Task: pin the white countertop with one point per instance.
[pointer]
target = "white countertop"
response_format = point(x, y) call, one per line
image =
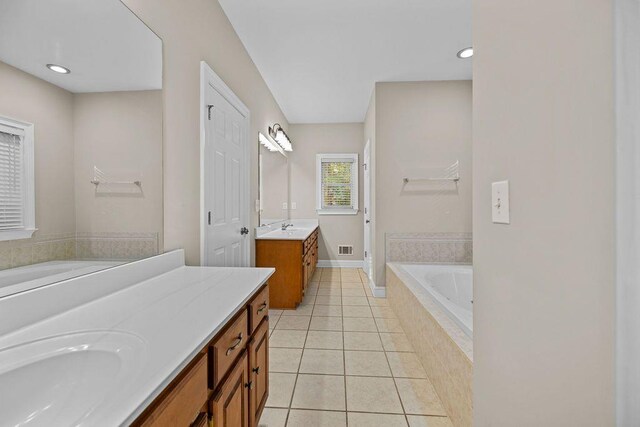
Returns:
point(171, 317)
point(301, 229)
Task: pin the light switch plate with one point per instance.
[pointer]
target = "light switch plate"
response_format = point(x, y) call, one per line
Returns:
point(284, 205)
point(294, 206)
point(500, 202)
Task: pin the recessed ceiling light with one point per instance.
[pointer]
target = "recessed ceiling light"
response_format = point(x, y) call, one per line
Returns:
point(58, 68)
point(465, 53)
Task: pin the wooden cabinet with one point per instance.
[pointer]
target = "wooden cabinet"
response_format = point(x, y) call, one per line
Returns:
point(295, 262)
point(227, 383)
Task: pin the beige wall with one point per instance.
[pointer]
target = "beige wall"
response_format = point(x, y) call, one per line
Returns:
point(420, 129)
point(121, 134)
point(544, 285)
point(192, 31)
point(50, 109)
point(312, 139)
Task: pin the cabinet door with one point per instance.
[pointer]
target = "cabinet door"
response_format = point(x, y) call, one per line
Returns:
point(230, 406)
point(259, 372)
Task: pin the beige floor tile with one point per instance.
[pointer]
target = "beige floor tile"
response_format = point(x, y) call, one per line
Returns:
point(419, 397)
point(274, 313)
point(322, 362)
point(284, 359)
point(352, 285)
point(350, 278)
point(378, 302)
point(362, 341)
point(329, 291)
point(366, 363)
point(355, 301)
point(406, 365)
point(280, 389)
point(319, 392)
point(330, 278)
point(301, 310)
point(359, 324)
point(383, 312)
point(293, 322)
point(422, 421)
point(273, 417)
point(325, 323)
point(287, 338)
point(356, 311)
point(328, 340)
point(357, 419)
point(388, 325)
point(328, 310)
point(330, 285)
point(368, 292)
point(364, 393)
point(312, 291)
point(353, 292)
point(329, 300)
point(396, 342)
point(305, 418)
point(308, 299)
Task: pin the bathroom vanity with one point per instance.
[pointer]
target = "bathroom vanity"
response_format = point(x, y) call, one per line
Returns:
point(294, 254)
point(150, 343)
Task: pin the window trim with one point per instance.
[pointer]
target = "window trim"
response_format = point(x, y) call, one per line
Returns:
point(29, 211)
point(354, 178)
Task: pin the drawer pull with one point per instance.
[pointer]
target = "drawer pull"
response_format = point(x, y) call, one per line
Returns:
point(235, 345)
point(256, 370)
point(262, 307)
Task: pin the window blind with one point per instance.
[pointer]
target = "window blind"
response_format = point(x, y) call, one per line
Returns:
point(337, 184)
point(11, 182)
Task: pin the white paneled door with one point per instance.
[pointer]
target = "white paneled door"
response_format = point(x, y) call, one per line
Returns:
point(225, 185)
point(367, 210)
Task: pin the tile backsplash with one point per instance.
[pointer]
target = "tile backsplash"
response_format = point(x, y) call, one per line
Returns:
point(64, 246)
point(430, 248)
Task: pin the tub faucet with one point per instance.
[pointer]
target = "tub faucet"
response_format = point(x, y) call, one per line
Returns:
point(285, 226)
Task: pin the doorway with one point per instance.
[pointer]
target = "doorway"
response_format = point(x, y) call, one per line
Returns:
point(367, 210)
point(224, 174)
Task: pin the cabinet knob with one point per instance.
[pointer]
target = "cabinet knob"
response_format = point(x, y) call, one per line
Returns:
point(249, 385)
point(256, 369)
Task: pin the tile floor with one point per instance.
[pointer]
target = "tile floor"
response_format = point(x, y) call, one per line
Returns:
point(342, 359)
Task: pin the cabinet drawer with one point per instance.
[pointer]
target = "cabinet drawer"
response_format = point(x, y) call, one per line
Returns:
point(258, 308)
point(227, 347)
point(181, 406)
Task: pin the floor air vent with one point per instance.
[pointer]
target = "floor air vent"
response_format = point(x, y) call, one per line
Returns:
point(345, 250)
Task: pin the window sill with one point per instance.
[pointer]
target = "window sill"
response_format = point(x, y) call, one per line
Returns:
point(17, 234)
point(337, 211)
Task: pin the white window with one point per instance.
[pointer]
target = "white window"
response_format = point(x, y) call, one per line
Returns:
point(17, 196)
point(337, 184)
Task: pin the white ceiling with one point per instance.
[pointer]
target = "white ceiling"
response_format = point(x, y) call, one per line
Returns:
point(321, 58)
point(104, 44)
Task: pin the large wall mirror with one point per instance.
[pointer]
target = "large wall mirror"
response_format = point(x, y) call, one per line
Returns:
point(80, 140)
point(273, 173)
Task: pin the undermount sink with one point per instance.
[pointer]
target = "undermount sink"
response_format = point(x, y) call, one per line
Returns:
point(61, 380)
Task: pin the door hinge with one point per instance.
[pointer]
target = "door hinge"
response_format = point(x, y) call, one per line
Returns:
point(209, 217)
point(209, 107)
point(365, 254)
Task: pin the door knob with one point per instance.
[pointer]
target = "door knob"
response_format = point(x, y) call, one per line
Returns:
point(244, 230)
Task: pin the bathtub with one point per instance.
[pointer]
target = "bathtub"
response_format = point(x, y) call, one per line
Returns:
point(450, 286)
point(434, 305)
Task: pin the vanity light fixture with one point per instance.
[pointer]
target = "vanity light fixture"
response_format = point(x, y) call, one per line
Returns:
point(269, 145)
point(58, 69)
point(278, 134)
point(465, 53)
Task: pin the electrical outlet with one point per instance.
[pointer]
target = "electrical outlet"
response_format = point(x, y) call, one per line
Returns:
point(294, 206)
point(284, 206)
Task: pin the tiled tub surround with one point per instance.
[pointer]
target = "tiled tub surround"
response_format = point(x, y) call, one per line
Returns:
point(430, 248)
point(68, 246)
point(342, 359)
point(445, 351)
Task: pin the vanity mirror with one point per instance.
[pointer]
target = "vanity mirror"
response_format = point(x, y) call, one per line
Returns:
point(80, 140)
point(273, 173)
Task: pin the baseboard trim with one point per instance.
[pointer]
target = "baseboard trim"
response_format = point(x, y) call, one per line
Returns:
point(377, 291)
point(327, 263)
